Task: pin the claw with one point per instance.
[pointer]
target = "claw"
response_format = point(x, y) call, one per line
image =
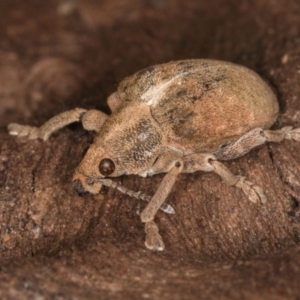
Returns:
point(23, 130)
point(293, 134)
point(13, 128)
point(153, 241)
point(254, 192)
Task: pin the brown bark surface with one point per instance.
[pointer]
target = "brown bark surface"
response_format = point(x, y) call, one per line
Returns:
point(57, 55)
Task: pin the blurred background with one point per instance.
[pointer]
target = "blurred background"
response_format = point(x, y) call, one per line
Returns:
point(59, 54)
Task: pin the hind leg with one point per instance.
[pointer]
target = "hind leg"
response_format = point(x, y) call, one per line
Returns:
point(254, 138)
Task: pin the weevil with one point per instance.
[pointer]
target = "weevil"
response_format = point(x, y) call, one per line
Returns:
point(178, 117)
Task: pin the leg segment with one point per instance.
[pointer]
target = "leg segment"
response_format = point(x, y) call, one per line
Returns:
point(161, 194)
point(254, 138)
point(164, 163)
point(287, 133)
point(254, 193)
point(244, 144)
point(91, 120)
point(153, 239)
point(168, 162)
point(208, 163)
point(114, 101)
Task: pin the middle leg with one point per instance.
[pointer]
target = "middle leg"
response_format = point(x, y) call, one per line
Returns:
point(208, 163)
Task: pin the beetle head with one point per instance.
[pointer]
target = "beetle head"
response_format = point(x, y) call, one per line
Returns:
point(121, 147)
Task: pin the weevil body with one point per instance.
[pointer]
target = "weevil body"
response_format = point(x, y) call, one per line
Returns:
point(182, 116)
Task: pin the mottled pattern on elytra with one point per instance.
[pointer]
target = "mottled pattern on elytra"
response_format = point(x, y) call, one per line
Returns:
point(202, 104)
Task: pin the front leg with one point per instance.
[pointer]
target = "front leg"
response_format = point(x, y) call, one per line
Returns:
point(91, 120)
point(168, 162)
point(114, 101)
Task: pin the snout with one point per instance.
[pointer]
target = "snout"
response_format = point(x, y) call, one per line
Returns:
point(79, 188)
point(82, 187)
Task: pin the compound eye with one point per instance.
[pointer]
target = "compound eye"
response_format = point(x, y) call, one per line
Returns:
point(106, 166)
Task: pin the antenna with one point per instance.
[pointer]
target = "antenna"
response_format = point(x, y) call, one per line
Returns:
point(138, 195)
